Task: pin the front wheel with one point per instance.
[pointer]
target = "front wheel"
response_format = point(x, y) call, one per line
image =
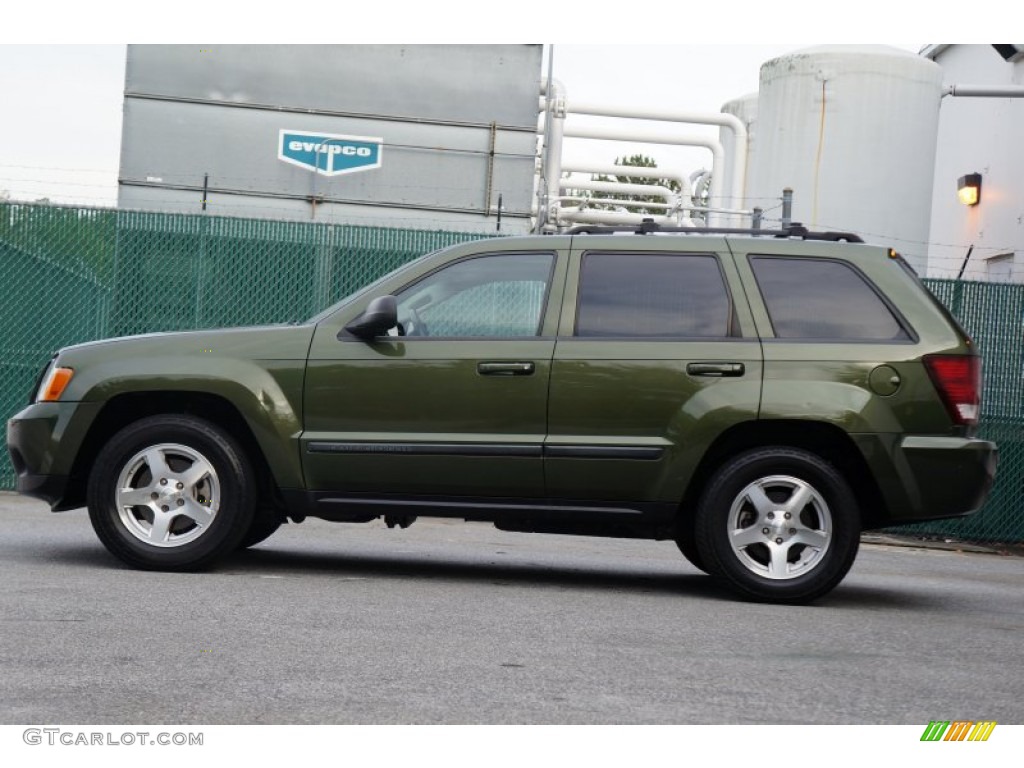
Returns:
point(687, 542)
point(778, 525)
point(171, 493)
point(264, 524)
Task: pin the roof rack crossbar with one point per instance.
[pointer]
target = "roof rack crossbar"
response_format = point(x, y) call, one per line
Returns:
point(647, 226)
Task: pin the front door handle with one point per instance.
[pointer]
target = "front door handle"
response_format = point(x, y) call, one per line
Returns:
point(715, 369)
point(505, 369)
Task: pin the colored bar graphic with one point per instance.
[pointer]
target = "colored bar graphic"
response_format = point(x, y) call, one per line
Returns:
point(958, 730)
point(982, 730)
point(935, 730)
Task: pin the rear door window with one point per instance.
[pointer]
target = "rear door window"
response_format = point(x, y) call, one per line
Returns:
point(663, 295)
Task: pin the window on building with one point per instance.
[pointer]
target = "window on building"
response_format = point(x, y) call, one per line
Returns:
point(999, 269)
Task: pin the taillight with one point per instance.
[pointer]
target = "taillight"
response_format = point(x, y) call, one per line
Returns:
point(958, 380)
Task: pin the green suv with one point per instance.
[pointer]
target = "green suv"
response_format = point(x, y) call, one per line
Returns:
point(760, 399)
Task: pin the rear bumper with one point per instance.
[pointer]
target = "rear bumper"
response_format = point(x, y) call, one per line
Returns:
point(931, 478)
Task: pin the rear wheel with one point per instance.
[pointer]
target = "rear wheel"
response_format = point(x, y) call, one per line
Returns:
point(778, 525)
point(171, 492)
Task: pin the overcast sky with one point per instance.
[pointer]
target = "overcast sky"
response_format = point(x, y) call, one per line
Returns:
point(60, 105)
point(60, 138)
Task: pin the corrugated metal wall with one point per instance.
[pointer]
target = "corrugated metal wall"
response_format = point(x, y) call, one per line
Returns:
point(457, 125)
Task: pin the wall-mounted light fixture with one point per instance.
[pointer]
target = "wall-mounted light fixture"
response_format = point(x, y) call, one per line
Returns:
point(968, 189)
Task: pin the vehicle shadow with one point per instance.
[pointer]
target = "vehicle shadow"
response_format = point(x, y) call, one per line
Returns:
point(269, 562)
point(610, 577)
point(404, 566)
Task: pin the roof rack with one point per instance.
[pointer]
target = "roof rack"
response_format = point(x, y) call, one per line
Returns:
point(648, 227)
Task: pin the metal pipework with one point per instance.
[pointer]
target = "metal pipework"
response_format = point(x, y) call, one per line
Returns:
point(592, 202)
point(985, 91)
point(553, 106)
point(582, 216)
point(720, 119)
point(635, 172)
point(619, 187)
point(653, 137)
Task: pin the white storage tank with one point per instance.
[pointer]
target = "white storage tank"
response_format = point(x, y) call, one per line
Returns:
point(852, 130)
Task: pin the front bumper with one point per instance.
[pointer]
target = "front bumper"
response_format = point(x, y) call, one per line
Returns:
point(43, 441)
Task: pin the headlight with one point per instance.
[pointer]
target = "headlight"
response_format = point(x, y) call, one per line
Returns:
point(55, 381)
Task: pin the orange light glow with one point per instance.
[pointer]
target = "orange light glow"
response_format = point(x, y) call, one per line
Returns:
point(55, 385)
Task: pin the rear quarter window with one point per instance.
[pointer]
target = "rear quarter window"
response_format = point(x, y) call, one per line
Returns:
point(824, 299)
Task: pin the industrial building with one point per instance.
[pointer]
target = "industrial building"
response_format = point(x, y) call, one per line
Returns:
point(870, 139)
point(415, 136)
point(981, 123)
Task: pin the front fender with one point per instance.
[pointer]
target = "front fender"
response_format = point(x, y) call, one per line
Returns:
point(259, 371)
point(267, 394)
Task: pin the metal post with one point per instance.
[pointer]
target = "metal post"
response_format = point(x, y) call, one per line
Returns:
point(544, 194)
point(755, 221)
point(488, 192)
point(316, 171)
point(206, 188)
point(787, 207)
point(499, 213)
point(963, 266)
point(201, 269)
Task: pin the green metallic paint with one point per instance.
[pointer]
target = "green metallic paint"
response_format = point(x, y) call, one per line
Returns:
point(608, 392)
point(647, 401)
point(50, 433)
point(430, 390)
point(644, 393)
point(830, 381)
point(258, 370)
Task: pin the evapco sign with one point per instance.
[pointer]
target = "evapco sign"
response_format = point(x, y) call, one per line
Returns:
point(329, 153)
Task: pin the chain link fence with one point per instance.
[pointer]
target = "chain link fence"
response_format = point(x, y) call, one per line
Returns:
point(69, 275)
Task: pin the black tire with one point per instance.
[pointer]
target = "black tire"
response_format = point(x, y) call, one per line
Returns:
point(264, 524)
point(687, 542)
point(171, 493)
point(778, 525)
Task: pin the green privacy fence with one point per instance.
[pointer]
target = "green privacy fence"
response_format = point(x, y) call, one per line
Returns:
point(69, 275)
point(993, 313)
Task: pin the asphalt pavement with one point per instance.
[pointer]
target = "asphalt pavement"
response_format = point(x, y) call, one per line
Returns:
point(451, 622)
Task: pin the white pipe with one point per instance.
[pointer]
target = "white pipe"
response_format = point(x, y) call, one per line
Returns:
point(610, 217)
point(554, 123)
point(736, 211)
point(614, 204)
point(617, 186)
point(721, 119)
point(633, 171)
point(652, 137)
point(994, 91)
point(636, 203)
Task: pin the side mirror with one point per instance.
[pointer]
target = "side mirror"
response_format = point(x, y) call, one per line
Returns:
point(380, 317)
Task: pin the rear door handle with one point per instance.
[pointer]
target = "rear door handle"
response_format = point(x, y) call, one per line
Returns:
point(505, 369)
point(715, 369)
